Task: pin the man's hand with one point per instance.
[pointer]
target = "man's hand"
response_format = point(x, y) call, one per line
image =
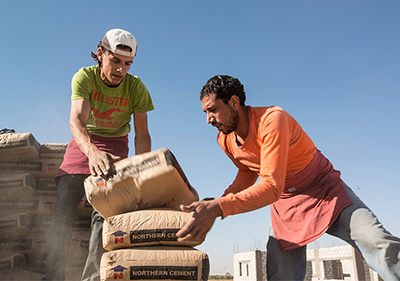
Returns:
point(99, 162)
point(204, 214)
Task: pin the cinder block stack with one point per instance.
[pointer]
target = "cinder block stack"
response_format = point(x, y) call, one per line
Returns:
point(140, 203)
point(27, 197)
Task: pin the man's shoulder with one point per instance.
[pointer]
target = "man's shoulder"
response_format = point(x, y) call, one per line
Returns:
point(86, 72)
point(88, 69)
point(261, 111)
point(132, 78)
point(261, 117)
point(133, 83)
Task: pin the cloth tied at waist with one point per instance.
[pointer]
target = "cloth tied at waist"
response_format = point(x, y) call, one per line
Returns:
point(311, 201)
point(76, 162)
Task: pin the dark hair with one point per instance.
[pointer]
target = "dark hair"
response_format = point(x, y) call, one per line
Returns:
point(224, 87)
point(96, 59)
point(94, 55)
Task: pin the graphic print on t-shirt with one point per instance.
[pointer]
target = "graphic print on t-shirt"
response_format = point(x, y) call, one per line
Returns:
point(106, 114)
point(107, 108)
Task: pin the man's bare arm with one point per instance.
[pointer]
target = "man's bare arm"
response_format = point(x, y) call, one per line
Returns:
point(142, 135)
point(99, 161)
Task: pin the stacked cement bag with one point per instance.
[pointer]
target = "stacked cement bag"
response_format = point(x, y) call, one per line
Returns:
point(27, 196)
point(149, 180)
point(140, 203)
point(150, 227)
point(143, 245)
point(155, 263)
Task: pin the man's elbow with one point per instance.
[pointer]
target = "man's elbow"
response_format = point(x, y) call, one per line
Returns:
point(143, 137)
point(276, 197)
point(142, 143)
point(276, 193)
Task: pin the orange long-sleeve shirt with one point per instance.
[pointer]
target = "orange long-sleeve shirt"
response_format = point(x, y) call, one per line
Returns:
point(276, 148)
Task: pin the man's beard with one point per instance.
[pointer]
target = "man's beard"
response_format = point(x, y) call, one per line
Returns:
point(234, 121)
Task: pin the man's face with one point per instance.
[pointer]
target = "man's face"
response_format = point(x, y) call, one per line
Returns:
point(114, 67)
point(220, 115)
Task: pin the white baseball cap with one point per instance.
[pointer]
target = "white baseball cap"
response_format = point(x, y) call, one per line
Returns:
point(115, 37)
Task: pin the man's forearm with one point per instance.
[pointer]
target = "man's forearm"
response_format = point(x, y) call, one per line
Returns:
point(142, 144)
point(82, 138)
point(80, 109)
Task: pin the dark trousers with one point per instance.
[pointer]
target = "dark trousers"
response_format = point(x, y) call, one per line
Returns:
point(70, 192)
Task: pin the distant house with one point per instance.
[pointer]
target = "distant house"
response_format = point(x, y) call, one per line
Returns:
point(336, 263)
point(250, 266)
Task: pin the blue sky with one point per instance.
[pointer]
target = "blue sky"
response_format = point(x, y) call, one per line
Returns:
point(333, 65)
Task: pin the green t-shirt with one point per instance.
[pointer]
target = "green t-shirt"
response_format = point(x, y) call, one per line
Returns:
point(111, 108)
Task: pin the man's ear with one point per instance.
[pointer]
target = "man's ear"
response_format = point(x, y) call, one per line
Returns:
point(234, 102)
point(100, 54)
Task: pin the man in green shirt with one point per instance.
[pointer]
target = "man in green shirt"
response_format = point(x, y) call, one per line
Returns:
point(104, 98)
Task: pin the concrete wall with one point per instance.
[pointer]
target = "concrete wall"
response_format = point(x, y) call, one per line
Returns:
point(344, 263)
point(250, 266)
point(336, 263)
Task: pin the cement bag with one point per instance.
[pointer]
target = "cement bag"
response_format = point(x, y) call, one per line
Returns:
point(46, 187)
point(25, 245)
point(36, 262)
point(36, 257)
point(16, 147)
point(53, 150)
point(149, 180)
point(155, 263)
point(151, 227)
point(79, 248)
point(15, 245)
point(45, 168)
point(15, 225)
point(20, 275)
point(73, 273)
point(34, 243)
point(42, 224)
point(37, 205)
point(16, 185)
point(12, 261)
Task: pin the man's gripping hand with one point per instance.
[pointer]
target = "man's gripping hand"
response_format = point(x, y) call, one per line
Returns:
point(100, 162)
point(204, 214)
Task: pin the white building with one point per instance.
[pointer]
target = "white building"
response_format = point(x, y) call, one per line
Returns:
point(336, 263)
point(250, 266)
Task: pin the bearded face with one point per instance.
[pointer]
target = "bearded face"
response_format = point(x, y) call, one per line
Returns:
point(220, 115)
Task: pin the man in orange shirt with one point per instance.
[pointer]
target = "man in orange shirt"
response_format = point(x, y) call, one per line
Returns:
point(306, 194)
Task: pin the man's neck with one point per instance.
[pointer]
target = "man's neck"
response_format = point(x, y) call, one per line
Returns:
point(243, 127)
